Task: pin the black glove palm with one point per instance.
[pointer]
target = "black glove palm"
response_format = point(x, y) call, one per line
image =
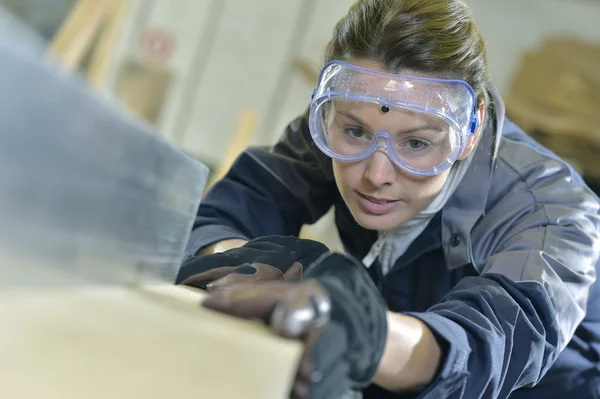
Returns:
point(266, 258)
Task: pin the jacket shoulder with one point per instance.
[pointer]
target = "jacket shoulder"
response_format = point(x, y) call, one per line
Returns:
point(522, 164)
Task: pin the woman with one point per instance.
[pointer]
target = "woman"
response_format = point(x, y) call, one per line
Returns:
point(482, 244)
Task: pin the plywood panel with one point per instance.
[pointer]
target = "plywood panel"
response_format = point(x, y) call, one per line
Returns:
point(143, 88)
point(143, 343)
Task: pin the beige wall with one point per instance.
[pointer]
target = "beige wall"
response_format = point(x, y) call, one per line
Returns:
point(237, 56)
point(233, 56)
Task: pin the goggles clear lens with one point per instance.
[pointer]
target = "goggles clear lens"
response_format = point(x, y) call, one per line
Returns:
point(422, 124)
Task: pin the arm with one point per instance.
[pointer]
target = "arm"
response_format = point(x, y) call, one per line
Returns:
point(505, 328)
point(268, 191)
point(411, 357)
point(222, 246)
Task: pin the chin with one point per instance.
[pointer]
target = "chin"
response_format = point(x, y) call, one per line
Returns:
point(378, 222)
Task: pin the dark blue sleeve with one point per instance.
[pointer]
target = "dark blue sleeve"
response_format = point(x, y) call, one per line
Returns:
point(267, 191)
point(504, 329)
point(499, 335)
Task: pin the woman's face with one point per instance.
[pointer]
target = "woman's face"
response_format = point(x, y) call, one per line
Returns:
point(379, 194)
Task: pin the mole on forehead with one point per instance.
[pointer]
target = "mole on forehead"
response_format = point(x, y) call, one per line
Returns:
point(368, 115)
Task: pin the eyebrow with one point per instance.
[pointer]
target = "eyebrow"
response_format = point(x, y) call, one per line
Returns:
point(354, 118)
point(408, 131)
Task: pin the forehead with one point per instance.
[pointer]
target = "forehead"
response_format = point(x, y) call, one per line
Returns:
point(370, 113)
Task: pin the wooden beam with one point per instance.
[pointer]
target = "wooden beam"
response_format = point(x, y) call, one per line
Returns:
point(76, 36)
point(104, 52)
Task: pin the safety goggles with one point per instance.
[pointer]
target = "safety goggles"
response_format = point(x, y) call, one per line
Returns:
point(422, 124)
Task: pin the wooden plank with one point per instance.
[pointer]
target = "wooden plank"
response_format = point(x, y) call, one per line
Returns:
point(76, 36)
point(105, 49)
point(143, 88)
point(147, 342)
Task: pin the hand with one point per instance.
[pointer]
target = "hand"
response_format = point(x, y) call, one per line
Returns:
point(266, 258)
point(336, 311)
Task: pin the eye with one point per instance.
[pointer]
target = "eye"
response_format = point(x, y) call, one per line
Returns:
point(354, 132)
point(415, 144)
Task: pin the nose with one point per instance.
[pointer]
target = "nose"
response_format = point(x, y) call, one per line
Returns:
point(380, 170)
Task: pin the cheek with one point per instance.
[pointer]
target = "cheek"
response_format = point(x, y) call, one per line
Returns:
point(424, 188)
point(347, 175)
point(419, 191)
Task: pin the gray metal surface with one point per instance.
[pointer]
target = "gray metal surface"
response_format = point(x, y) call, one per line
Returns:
point(87, 192)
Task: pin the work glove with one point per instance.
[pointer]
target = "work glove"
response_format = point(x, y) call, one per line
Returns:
point(266, 258)
point(337, 312)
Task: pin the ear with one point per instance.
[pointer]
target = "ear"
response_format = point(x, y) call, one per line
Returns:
point(474, 138)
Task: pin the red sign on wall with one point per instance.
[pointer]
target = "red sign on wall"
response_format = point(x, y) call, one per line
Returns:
point(157, 45)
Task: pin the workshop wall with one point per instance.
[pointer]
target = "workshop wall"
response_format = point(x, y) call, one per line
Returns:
point(210, 71)
point(223, 58)
point(228, 58)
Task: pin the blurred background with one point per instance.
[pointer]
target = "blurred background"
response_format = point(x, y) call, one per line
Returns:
point(214, 76)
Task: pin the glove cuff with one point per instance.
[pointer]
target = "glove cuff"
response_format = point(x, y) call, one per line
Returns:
point(358, 306)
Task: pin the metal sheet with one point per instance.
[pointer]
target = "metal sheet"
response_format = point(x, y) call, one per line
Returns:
point(86, 190)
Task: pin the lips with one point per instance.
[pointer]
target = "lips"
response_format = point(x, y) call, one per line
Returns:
point(376, 206)
point(377, 200)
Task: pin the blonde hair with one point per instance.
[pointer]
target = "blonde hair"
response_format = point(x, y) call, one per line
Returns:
point(436, 37)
